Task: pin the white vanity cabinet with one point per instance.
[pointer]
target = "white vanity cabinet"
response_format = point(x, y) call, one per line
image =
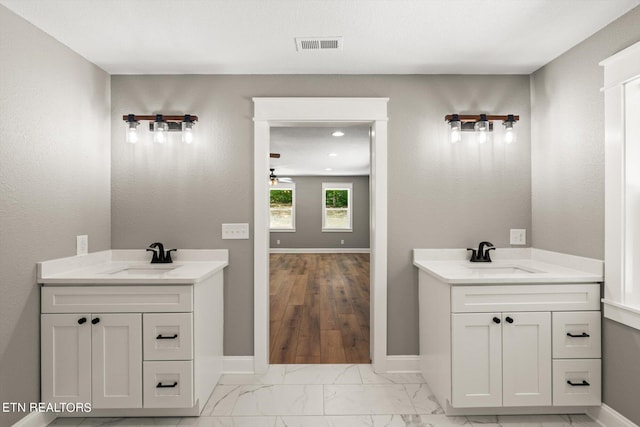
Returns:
point(510, 348)
point(132, 350)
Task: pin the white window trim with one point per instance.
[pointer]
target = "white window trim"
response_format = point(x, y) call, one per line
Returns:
point(286, 186)
point(337, 186)
point(619, 69)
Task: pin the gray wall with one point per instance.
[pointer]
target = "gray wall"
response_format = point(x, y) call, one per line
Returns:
point(54, 183)
point(567, 156)
point(439, 195)
point(309, 216)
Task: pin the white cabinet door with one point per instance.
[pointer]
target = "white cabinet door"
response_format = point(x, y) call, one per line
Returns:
point(476, 360)
point(116, 352)
point(526, 358)
point(66, 357)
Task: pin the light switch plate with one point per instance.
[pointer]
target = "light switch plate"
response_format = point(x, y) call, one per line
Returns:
point(518, 236)
point(82, 244)
point(235, 231)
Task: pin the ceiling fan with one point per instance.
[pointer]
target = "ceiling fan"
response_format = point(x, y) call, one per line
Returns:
point(274, 179)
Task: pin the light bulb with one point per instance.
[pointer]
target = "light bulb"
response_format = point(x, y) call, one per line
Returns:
point(455, 134)
point(131, 135)
point(481, 137)
point(160, 129)
point(187, 132)
point(509, 130)
point(482, 129)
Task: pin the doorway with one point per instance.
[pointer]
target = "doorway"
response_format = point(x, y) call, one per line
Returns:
point(270, 112)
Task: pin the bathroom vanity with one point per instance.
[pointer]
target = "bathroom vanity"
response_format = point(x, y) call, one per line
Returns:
point(520, 335)
point(129, 337)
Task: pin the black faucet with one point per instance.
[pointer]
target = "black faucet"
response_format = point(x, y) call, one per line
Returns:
point(482, 254)
point(159, 254)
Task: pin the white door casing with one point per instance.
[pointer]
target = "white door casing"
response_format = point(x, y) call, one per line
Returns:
point(274, 111)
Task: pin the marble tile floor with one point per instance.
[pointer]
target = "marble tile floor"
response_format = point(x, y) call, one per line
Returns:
point(327, 396)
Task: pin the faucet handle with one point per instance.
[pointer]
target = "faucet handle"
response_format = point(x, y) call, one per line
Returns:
point(474, 255)
point(167, 255)
point(487, 256)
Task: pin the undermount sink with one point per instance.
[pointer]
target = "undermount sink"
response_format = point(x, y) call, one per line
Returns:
point(507, 269)
point(141, 270)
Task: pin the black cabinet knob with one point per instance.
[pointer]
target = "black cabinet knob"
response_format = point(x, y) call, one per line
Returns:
point(509, 319)
point(95, 320)
point(496, 320)
point(82, 320)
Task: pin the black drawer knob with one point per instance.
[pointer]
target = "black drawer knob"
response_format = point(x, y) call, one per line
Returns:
point(82, 320)
point(169, 337)
point(160, 385)
point(582, 335)
point(582, 384)
point(496, 320)
point(509, 319)
point(95, 320)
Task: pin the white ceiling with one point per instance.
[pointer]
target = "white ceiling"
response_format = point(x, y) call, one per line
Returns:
point(380, 36)
point(306, 150)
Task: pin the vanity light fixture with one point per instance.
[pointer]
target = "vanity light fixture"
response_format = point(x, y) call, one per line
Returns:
point(481, 124)
point(160, 125)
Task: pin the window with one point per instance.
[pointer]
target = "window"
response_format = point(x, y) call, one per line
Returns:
point(622, 187)
point(336, 206)
point(282, 207)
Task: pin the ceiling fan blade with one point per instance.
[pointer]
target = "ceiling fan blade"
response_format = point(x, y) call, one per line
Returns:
point(274, 155)
point(285, 179)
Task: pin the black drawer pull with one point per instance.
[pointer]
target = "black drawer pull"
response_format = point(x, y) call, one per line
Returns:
point(160, 385)
point(509, 319)
point(583, 383)
point(496, 320)
point(162, 337)
point(82, 320)
point(582, 335)
point(95, 321)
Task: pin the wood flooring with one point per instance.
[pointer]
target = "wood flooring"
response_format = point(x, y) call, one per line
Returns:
point(319, 308)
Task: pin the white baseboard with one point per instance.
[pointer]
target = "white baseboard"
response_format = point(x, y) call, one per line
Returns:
point(237, 365)
point(606, 416)
point(320, 250)
point(403, 364)
point(36, 419)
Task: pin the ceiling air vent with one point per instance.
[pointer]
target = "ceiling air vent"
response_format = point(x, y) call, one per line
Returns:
point(318, 44)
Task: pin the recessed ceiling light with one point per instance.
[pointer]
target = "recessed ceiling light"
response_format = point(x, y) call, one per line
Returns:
point(328, 169)
point(333, 154)
point(338, 133)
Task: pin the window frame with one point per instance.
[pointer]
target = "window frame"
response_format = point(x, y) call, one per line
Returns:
point(284, 186)
point(620, 304)
point(337, 186)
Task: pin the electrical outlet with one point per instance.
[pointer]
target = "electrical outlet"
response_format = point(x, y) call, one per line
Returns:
point(277, 242)
point(235, 231)
point(82, 244)
point(342, 242)
point(518, 236)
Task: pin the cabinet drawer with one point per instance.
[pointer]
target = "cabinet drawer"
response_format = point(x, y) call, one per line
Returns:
point(584, 374)
point(576, 334)
point(168, 336)
point(492, 298)
point(116, 299)
point(168, 384)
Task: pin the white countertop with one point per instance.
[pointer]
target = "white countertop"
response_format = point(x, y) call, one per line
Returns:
point(528, 265)
point(132, 267)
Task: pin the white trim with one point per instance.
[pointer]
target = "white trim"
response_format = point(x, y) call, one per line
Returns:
point(403, 364)
point(36, 419)
point(606, 416)
point(621, 313)
point(271, 111)
point(320, 250)
point(237, 365)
